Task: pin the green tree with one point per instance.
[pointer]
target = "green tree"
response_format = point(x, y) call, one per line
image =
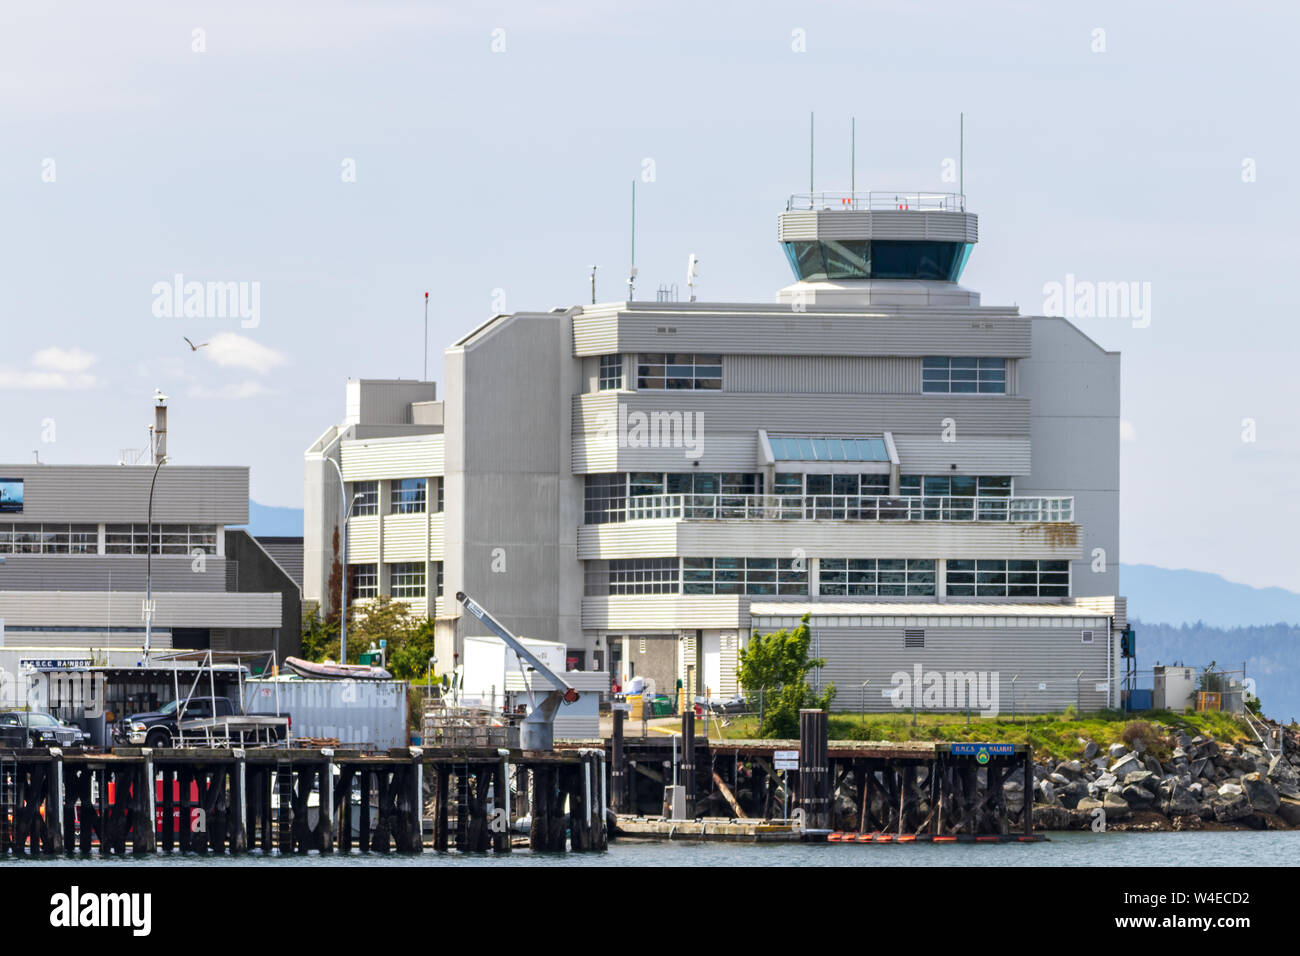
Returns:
point(777, 666)
point(318, 634)
point(408, 657)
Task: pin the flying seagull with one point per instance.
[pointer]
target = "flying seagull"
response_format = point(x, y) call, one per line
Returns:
point(193, 347)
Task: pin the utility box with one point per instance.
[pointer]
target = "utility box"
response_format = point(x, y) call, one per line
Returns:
point(674, 802)
point(1175, 687)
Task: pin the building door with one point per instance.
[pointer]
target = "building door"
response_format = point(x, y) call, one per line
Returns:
point(712, 663)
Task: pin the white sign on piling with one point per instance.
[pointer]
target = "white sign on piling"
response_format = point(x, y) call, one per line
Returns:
point(785, 759)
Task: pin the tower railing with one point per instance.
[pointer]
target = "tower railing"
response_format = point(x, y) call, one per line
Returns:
point(878, 200)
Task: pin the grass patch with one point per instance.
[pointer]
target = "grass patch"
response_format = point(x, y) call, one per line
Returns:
point(1051, 735)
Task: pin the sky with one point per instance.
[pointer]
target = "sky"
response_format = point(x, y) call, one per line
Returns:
point(332, 161)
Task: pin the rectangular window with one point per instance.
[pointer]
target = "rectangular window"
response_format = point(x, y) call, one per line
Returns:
point(408, 496)
point(958, 376)
point(605, 497)
point(611, 372)
point(987, 578)
point(368, 503)
point(50, 539)
point(173, 539)
point(439, 483)
point(876, 577)
point(678, 370)
point(406, 579)
point(758, 576)
point(643, 576)
point(364, 581)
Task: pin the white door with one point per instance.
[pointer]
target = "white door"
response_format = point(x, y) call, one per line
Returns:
point(713, 663)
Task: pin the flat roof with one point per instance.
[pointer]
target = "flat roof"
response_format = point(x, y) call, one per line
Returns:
point(876, 609)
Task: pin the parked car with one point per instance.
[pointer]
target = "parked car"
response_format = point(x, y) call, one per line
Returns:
point(159, 728)
point(20, 729)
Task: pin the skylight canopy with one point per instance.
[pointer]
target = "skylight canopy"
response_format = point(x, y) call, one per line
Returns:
point(796, 448)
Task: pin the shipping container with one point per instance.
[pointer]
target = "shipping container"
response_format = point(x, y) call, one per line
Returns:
point(360, 714)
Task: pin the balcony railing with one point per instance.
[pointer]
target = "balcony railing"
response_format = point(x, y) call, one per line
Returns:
point(837, 508)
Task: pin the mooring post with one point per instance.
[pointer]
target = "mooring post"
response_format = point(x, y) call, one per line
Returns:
point(325, 821)
point(603, 832)
point(54, 802)
point(1028, 812)
point(688, 760)
point(813, 768)
point(238, 825)
point(415, 821)
point(618, 797)
point(146, 831)
point(501, 814)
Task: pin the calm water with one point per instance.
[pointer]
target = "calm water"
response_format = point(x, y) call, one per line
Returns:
point(1065, 849)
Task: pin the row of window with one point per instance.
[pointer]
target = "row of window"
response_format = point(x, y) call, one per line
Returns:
point(843, 577)
point(62, 538)
point(685, 370)
point(406, 496)
point(958, 376)
point(406, 579)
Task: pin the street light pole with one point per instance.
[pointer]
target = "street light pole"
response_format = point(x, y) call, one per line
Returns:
point(148, 563)
point(343, 588)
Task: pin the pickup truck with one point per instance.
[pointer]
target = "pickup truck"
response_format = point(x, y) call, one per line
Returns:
point(159, 728)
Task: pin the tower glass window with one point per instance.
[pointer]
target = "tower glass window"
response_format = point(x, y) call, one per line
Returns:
point(369, 501)
point(611, 372)
point(408, 496)
point(877, 259)
point(677, 370)
point(958, 376)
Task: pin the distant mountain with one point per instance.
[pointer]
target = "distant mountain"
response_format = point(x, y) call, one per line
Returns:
point(1185, 597)
point(270, 521)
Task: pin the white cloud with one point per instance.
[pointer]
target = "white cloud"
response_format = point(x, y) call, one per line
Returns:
point(238, 351)
point(232, 391)
point(52, 368)
point(1127, 430)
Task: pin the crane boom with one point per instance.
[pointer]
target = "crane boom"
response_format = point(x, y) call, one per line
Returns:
point(537, 731)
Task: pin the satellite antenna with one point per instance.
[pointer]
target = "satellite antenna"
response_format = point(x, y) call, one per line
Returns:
point(631, 275)
point(692, 273)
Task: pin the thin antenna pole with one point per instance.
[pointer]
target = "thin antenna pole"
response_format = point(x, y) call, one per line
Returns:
point(853, 158)
point(812, 149)
point(631, 276)
point(426, 337)
point(961, 161)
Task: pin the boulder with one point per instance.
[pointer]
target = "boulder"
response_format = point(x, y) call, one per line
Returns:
point(1152, 764)
point(1053, 818)
point(1070, 768)
point(1089, 748)
point(1142, 778)
point(1181, 802)
point(1116, 751)
point(1137, 797)
point(1229, 808)
point(1183, 741)
point(1260, 793)
point(1139, 745)
point(1281, 771)
point(1231, 790)
point(1289, 810)
point(1047, 792)
point(1125, 765)
point(1106, 780)
point(1060, 779)
point(1116, 808)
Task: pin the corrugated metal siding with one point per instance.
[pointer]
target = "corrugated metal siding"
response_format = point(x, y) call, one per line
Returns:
point(1050, 656)
point(380, 458)
point(842, 374)
point(410, 538)
point(120, 493)
point(738, 413)
point(91, 572)
point(827, 539)
point(363, 540)
point(730, 661)
point(651, 612)
point(878, 224)
point(776, 330)
point(931, 455)
point(123, 609)
point(362, 714)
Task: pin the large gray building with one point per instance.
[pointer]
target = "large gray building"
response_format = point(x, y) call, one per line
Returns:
point(933, 480)
point(74, 564)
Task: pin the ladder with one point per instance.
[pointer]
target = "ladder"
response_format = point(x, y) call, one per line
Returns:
point(8, 801)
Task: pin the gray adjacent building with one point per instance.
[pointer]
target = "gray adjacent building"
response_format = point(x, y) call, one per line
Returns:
point(934, 481)
point(73, 568)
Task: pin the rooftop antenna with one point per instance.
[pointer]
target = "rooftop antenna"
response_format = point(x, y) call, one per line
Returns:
point(692, 273)
point(426, 337)
point(961, 159)
point(593, 284)
point(631, 275)
point(812, 150)
point(853, 157)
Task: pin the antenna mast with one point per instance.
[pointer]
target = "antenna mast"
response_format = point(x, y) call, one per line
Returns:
point(853, 158)
point(812, 149)
point(426, 337)
point(631, 275)
point(961, 160)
